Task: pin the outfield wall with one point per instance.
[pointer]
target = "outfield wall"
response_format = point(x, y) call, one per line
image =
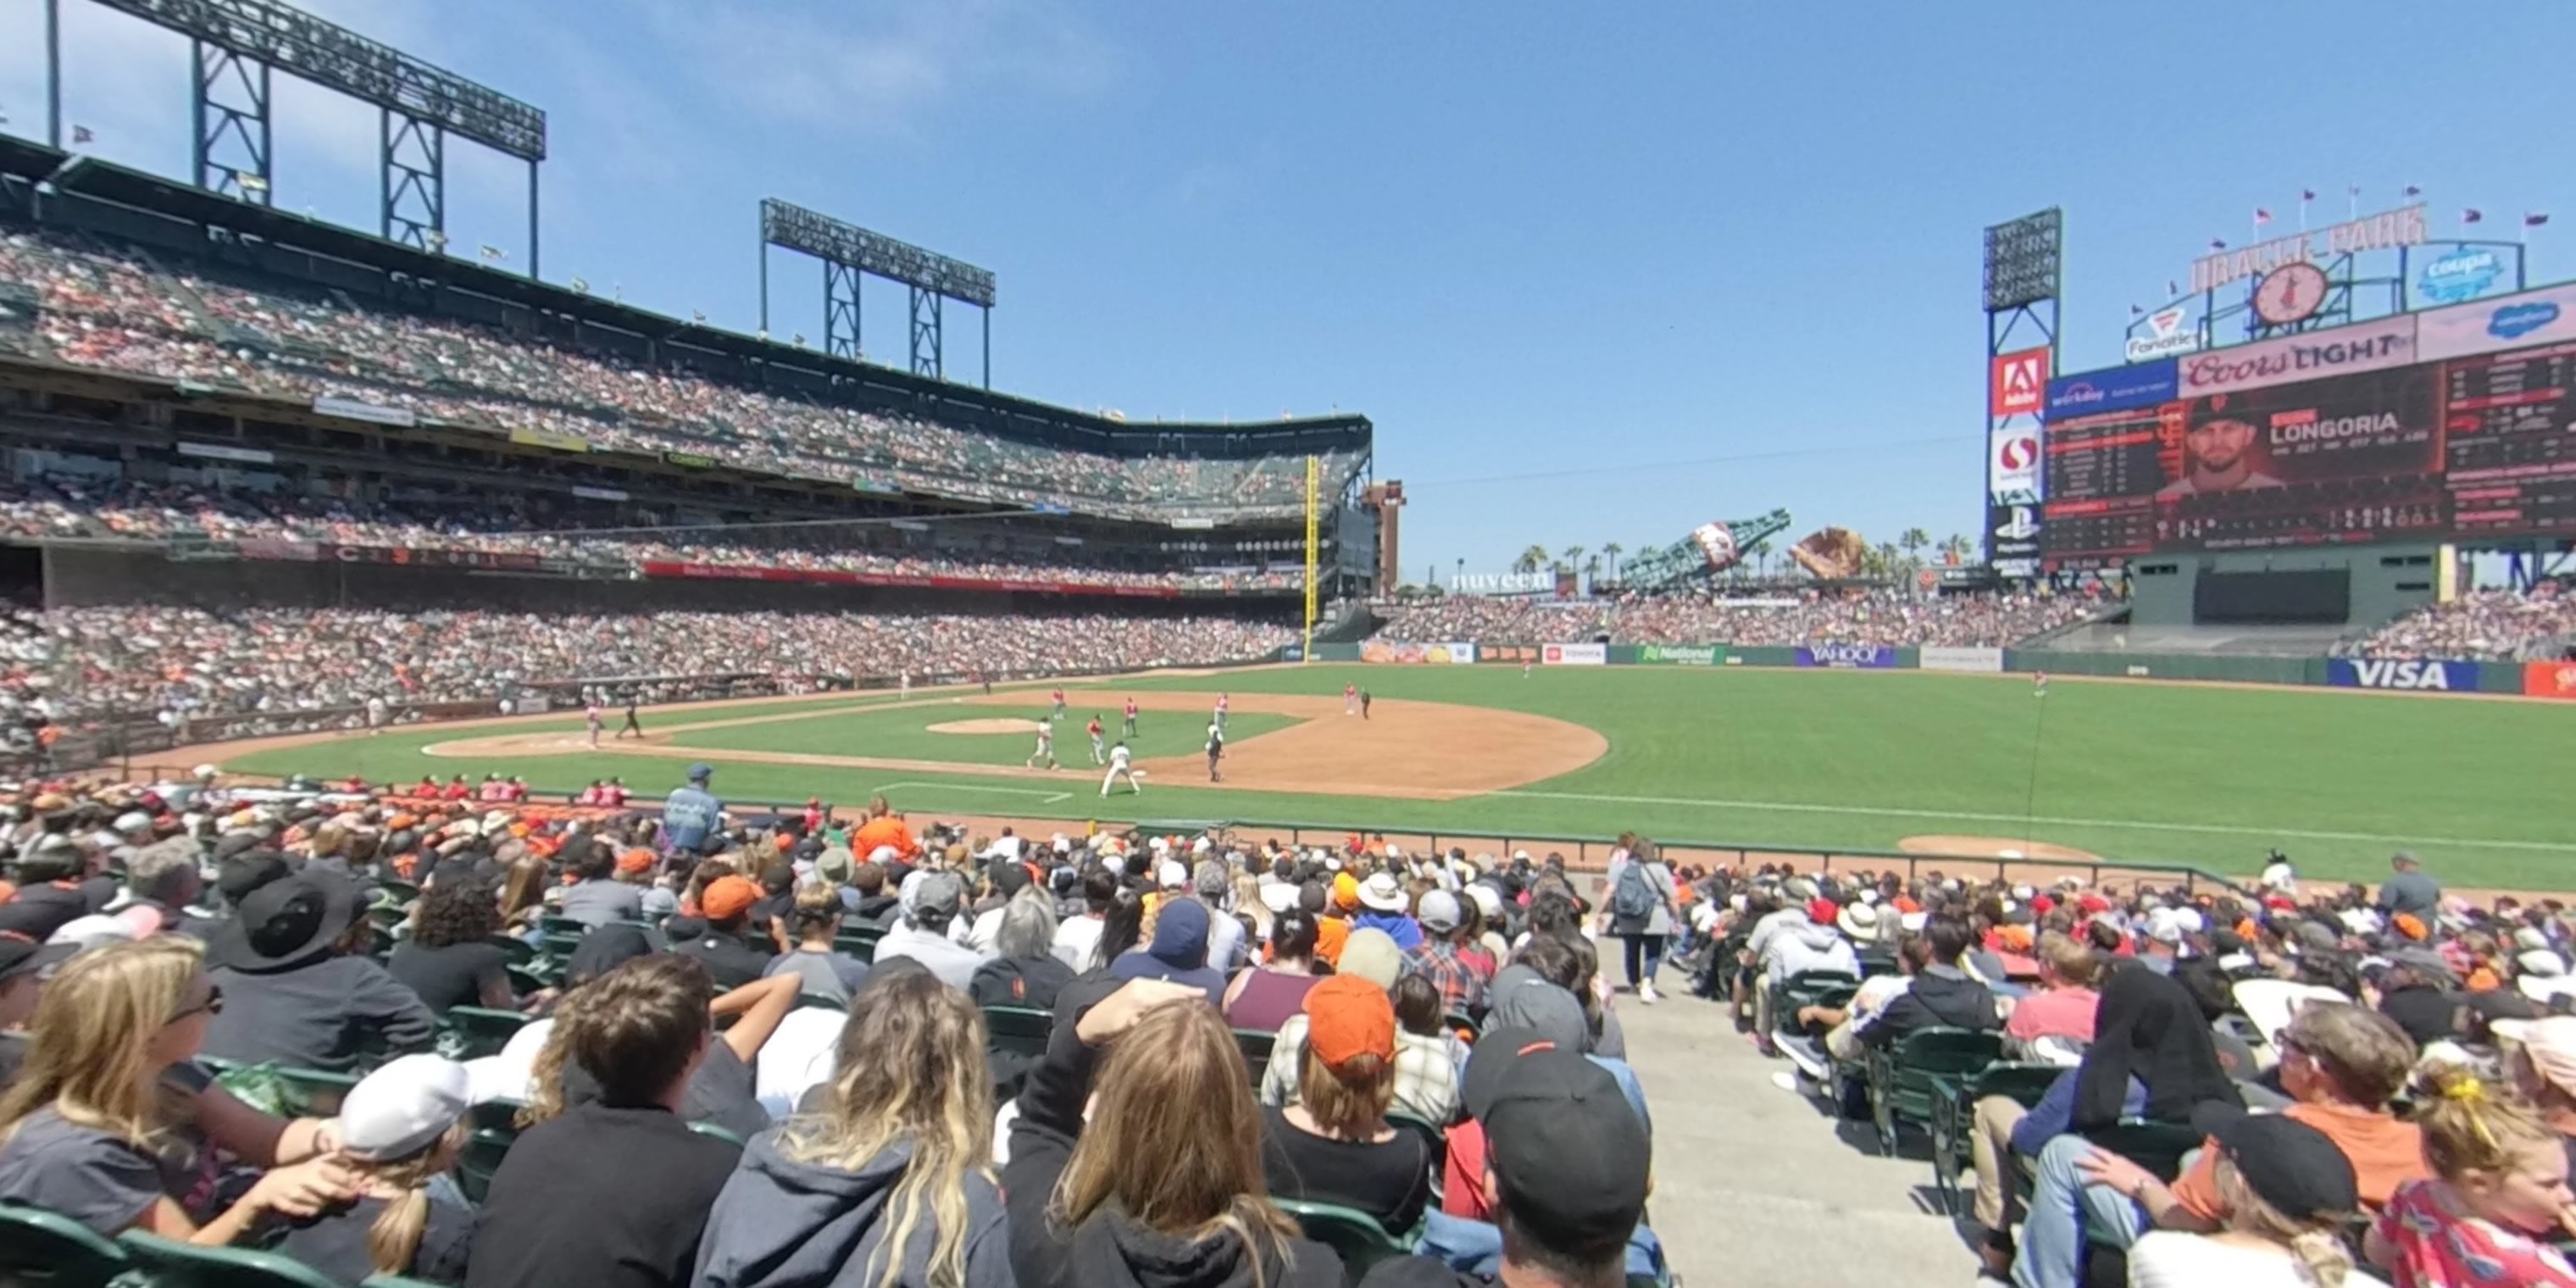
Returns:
point(2529, 679)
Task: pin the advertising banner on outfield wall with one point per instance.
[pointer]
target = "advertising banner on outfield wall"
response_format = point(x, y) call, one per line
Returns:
point(1935, 658)
point(1869, 657)
point(2402, 673)
point(1575, 654)
point(1510, 654)
point(1681, 654)
point(1405, 653)
point(2549, 680)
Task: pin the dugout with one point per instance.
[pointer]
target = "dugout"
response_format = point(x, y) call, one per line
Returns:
point(2340, 587)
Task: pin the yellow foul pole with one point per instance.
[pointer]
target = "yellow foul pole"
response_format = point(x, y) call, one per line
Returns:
point(1314, 475)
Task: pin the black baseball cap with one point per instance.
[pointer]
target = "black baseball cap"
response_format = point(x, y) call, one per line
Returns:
point(21, 957)
point(2288, 1164)
point(1569, 1155)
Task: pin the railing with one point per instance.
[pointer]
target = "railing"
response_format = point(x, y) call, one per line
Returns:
point(1590, 853)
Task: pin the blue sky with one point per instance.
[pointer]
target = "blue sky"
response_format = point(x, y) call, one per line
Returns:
point(1599, 272)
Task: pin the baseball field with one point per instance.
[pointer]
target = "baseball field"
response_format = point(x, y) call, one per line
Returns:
point(2202, 775)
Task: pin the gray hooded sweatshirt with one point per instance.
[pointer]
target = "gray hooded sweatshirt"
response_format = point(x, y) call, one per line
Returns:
point(780, 1223)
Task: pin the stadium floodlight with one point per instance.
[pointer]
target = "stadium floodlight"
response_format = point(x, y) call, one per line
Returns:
point(235, 44)
point(847, 251)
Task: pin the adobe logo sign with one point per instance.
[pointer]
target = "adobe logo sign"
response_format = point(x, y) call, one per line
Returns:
point(2017, 384)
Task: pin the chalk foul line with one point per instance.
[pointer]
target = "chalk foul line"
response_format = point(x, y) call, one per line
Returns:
point(2221, 829)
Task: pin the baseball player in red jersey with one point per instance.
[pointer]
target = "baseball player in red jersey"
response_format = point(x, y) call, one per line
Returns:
point(1099, 756)
point(1059, 705)
point(1221, 700)
point(1350, 699)
point(1130, 730)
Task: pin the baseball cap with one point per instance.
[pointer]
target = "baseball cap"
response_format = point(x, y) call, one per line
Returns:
point(729, 897)
point(637, 860)
point(1569, 1156)
point(938, 895)
point(1172, 875)
point(21, 957)
point(1438, 911)
point(403, 1108)
point(1346, 890)
point(1489, 901)
point(2287, 1163)
point(1371, 954)
point(1348, 1017)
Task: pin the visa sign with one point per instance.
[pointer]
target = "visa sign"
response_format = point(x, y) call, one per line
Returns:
point(2405, 674)
point(2141, 384)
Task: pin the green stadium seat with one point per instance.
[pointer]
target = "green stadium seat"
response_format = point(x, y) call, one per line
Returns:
point(480, 1160)
point(1954, 1111)
point(858, 944)
point(1019, 1030)
point(1255, 1047)
point(820, 1002)
point(1464, 1025)
point(167, 1263)
point(41, 1249)
point(1900, 1080)
point(473, 1032)
point(718, 1132)
point(400, 1281)
point(1354, 1234)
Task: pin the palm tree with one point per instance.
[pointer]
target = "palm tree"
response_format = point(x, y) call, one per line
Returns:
point(1914, 540)
point(1886, 553)
point(1571, 559)
point(1592, 569)
point(1761, 555)
point(1956, 547)
point(1531, 560)
point(1613, 550)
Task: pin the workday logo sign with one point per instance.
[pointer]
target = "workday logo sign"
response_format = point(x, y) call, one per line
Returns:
point(2141, 384)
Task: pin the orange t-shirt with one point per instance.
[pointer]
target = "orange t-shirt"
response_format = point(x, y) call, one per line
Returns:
point(1330, 934)
point(888, 830)
point(2385, 1154)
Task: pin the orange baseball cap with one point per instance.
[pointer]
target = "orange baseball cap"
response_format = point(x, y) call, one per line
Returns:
point(1346, 891)
point(729, 897)
point(635, 861)
point(1348, 1017)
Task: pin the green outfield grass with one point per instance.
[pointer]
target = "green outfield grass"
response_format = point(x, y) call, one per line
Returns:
point(2150, 772)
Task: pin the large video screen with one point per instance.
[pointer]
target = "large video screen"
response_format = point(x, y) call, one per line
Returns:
point(2414, 427)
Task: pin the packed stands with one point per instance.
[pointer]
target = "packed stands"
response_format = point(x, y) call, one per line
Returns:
point(67, 509)
point(267, 669)
point(2481, 626)
point(1879, 618)
point(100, 308)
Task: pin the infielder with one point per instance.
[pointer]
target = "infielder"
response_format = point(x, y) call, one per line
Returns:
point(633, 725)
point(1046, 746)
point(1221, 700)
point(1130, 730)
point(907, 684)
point(1059, 706)
point(1364, 704)
point(1118, 769)
point(1099, 755)
point(1524, 668)
point(1215, 750)
point(1350, 699)
point(590, 715)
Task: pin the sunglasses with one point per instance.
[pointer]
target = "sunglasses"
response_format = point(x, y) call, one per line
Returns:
point(213, 1005)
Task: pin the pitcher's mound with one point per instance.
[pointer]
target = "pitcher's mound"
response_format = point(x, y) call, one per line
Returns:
point(990, 725)
point(1995, 847)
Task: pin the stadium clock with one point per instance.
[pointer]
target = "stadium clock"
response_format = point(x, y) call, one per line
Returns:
point(2289, 294)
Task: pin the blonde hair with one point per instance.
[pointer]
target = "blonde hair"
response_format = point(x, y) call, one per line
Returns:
point(2072, 963)
point(92, 1037)
point(1349, 1102)
point(2316, 1242)
point(2472, 1125)
point(1175, 1089)
point(911, 1071)
point(394, 1240)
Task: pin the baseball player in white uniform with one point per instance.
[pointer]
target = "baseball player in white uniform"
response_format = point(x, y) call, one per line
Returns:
point(1118, 768)
point(1221, 700)
point(1046, 746)
point(1215, 750)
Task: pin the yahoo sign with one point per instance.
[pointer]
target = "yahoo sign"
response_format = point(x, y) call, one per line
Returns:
point(1868, 657)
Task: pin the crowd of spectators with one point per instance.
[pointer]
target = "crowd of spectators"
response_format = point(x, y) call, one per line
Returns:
point(1889, 618)
point(67, 509)
point(2335, 1082)
point(202, 672)
point(2482, 626)
point(722, 1049)
point(99, 308)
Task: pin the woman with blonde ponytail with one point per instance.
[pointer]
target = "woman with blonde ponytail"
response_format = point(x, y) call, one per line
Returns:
point(2497, 1200)
point(890, 1185)
point(400, 1129)
point(2289, 1193)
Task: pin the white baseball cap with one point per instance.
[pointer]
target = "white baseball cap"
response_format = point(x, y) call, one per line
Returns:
point(404, 1107)
point(1173, 875)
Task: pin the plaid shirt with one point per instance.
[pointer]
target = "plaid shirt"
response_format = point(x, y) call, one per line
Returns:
point(1461, 976)
point(1426, 1072)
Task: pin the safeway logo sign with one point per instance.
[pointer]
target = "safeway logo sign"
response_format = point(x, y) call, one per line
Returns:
point(2165, 336)
point(2012, 469)
point(2018, 383)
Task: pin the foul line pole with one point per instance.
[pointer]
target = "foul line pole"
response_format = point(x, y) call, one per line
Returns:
point(1314, 472)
